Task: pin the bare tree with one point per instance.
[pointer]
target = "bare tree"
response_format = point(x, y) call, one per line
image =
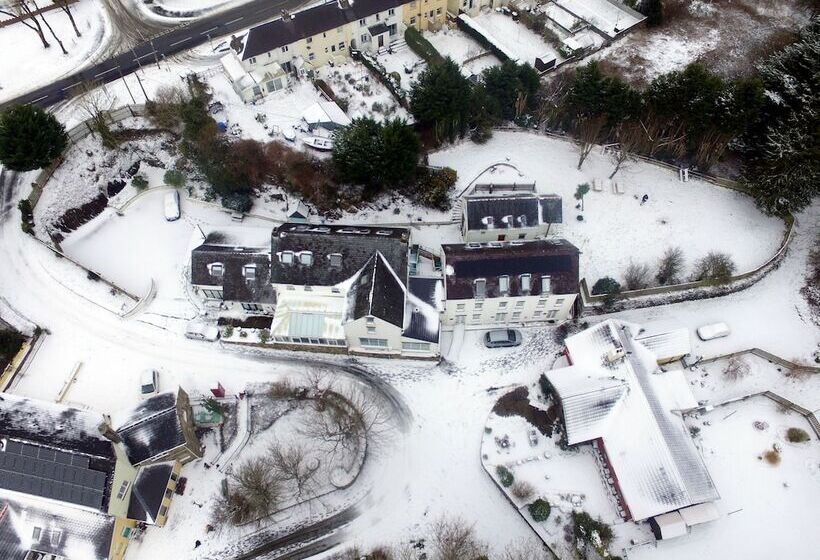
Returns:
point(23, 12)
point(453, 539)
point(252, 493)
point(670, 266)
point(662, 134)
point(95, 102)
point(737, 368)
point(588, 133)
point(636, 276)
point(48, 25)
point(65, 6)
point(291, 464)
point(529, 550)
point(711, 147)
point(629, 134)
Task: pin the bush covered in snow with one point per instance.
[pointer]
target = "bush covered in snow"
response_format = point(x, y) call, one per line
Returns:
point(504, 476)
point(139, 182)
point(670, 266)
point(797, 435)
point(608, 287)
point(715, 267)
point(539, 510)
point(174, 177)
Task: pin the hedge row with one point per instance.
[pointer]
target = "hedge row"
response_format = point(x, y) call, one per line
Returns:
point(422, 47)
point(482, 40)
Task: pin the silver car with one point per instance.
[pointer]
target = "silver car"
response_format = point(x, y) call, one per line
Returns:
point(502, 338)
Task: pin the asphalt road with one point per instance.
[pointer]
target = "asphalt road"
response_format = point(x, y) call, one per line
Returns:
point(150, 51)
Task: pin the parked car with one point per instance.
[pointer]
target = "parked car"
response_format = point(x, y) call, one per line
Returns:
point(172, 206)
point(502, 338)
point(149, 383)
point(713, 330)
point(198, 330)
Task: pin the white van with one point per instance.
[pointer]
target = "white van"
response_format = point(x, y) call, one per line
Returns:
point(172, 206)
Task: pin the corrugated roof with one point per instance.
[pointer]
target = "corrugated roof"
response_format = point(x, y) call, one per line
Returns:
point(658, 467)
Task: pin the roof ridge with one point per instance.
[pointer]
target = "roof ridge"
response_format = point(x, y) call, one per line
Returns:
point(145, 419)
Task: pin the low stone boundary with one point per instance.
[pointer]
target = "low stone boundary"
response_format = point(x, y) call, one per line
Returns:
point(22, 360)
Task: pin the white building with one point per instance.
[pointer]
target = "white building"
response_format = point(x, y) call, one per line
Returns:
point(510, 283)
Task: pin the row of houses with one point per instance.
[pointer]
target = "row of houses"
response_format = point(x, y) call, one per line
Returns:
point(78, 484)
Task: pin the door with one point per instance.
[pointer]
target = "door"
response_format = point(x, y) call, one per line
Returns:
point(381, 41)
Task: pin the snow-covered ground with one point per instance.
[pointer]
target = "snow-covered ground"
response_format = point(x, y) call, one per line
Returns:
point(26, 65)
point(696, 216)
point(184, 9)
point(604, 15)
point(461, 47)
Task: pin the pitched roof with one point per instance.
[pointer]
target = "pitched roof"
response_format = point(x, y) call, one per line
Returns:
point(355, 244)
point(377, 292)
point(235, 249)
point(464, 263)
point(149, 491)
point(307, 23)
point(152, 428)
point(64, 531)
point(421, 315)
point(630, 406)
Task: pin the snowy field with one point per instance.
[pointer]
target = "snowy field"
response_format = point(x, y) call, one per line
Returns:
point(766, 508)
point(459, 46)
point(695, 216)
point(516, 37)
point(26, 65)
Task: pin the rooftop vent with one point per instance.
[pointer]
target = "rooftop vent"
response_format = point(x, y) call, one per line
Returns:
point(249, 271)
point(306, 258)
point(473, 245)
point(507, 221)
point(488, 221)
point(522, 220)
point(216, 269)
point(335, 260)
point(286, 16)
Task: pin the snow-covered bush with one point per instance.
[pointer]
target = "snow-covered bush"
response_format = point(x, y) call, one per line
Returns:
point(608, 287)
point(174, 177)
point(796, 435)
point(670, 266)
point(139, 182)
point(715, 267)
point(636, 276)
point(504, 476)
point(539, 510)
point(522, 490)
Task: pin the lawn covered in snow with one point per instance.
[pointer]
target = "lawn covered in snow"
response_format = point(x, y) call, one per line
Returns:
point(460, 47)
point(696, 216)
point(26, 65)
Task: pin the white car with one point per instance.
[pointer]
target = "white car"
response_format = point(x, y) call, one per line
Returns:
point(149, 383)
point(198, 330)
point(172, 206)
point(713, 330)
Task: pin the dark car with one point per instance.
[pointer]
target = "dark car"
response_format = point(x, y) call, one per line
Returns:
point(502, 338)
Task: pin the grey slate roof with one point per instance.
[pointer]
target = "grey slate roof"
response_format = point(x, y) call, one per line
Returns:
point(310, 22)
point(420, 325)
point(148, 492)
point(465, 263)
point(61, 529)
point(527, 210)
point(356, 244)
point(377, 292)
point(151, 429)
point(235, 286)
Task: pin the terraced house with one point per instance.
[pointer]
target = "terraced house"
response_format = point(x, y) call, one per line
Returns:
point(300, 42)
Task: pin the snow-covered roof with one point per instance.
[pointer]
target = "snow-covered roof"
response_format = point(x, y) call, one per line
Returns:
point(149, 491)
point(614, 391)
point(151, 428)
point(421, 314)
point(237, 74)
point(325, 112)
point(666, 341)
point(671, 525)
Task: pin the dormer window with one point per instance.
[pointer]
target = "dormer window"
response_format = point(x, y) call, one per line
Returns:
point(480, 287)
point(488, 221)
point(525, 282)
point(249, 271)
point(504, 285)
point(306, 258)
point(216, 269)
point(507, 221)
point(286, 257)
point(335, 260)
point(522, 220)
point(546, 285)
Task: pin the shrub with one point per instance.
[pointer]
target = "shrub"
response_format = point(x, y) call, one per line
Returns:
point(174, 177)
point(238, 202)
point(670, 266)
point(433, 188)
point(522, 490)
point(539, 510)
point(608, 287)
point(714, 267)
point(737, 368)
point(140, 182)
point(281, 390)
point(10, 344)
point(228, 331)
point(584, 527)
point(636, 276)
point(504, 476)
point(772, 456)
point(26, 215)
point(796, 435)
point(264, 336)
point(422, 47)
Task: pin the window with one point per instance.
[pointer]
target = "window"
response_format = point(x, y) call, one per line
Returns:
point(371, 321)
point(252, 307)
point(35, 534)
point(339, 30)
point(333, 48)
point(249, 271)
point(502, 305)
point(516, 315)
point(391, 12)
point(480, 287)
point(519, 304)
point(335, 290)
point(417, 346)
point(522, 236)
point(123, 489)
point(56, 537)
point(306, 258)
point(126, 532)
point(526, 282)
point(291, 287)
point(478, 305)
point(460, 307)
point(559, 301)
point(413, 20)
point(326, 50)
point(371, 330)
point(378, 17)
point(252, 60)
point(477, 317)
point(308, 288)
point(551, 313)
point(365, 38)
point(341, 46)
point(541, 302)
point(373, 342)
point(362, 22)
point(538, 312)
point(500, 317)
point(286, 257)
point(216, 269)
point(309, 40)
point(438, 11)
point(285, 48)
point(546, 285)
point(163, 511)
point(174, 477)
point(311, 56)
point(212, 294)
point(335, 260)
point(504, 284)
point(168, 493)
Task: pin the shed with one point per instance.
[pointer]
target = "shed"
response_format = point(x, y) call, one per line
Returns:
point(668, 526)
point(300, 214)
point(325, 114)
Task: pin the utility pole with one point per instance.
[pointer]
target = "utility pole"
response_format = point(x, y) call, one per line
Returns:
point(126, 86)
point(137, 74)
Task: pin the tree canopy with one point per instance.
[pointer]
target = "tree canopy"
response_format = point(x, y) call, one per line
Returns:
point(30, 138)
point(441, 98)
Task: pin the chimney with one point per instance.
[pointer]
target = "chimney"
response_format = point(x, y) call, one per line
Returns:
point(344, 4)
point(107, 431)
point(286, 15)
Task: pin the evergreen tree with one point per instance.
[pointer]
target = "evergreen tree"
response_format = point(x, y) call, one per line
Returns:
point(593, 94)
point(400, 155)
point(357, 151)
point(653, 10)
point(30, 138)
point(441, 98)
